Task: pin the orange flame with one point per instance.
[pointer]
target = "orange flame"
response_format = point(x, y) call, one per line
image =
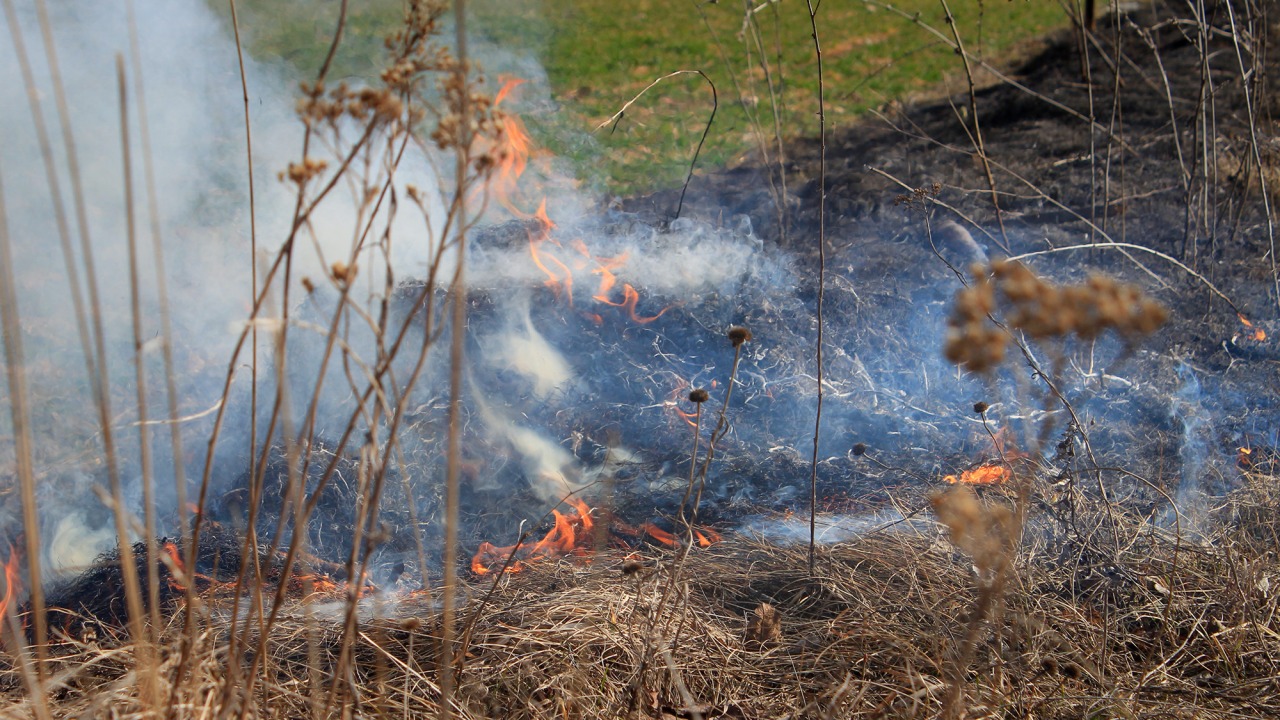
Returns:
point(629, 299)
point(171, 549)
point(1259, 334)
point(12, 580)
point(515, 149)
point(703, 536)
point(985, 475)
point(569, 536)
point(1244, 457)
point(311, 584)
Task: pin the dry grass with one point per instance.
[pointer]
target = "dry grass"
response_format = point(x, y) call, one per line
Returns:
point(1168, 629)
point(1021, 608)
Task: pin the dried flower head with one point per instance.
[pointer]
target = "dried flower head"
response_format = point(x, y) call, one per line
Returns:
point(980, 407)
point(1041, 310)
point(739, 335)
point(984, 530)
point(859, 449)
point(698, 396)
point(343, 273)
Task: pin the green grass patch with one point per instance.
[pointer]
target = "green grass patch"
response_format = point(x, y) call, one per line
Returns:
point(598, 54)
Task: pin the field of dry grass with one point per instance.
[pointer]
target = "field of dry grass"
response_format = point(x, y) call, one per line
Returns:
point(1038, 596)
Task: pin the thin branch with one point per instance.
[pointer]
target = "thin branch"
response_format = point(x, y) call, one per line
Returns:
point(822, 272)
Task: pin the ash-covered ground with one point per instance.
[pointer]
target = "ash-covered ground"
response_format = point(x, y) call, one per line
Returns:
point(1136, 161)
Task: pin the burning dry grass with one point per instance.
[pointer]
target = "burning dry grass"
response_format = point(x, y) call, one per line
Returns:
point(1127, 623)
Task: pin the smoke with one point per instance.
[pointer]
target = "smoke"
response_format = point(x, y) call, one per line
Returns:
point(190, 74)
point(546, 368)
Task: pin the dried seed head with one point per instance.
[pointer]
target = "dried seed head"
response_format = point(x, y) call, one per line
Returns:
point(698, 396)
point(631, 567)
point(739, 335)
point(980, 407)
point(342, 272)
point(764, 627)
point(411, 624)
point(859, 449)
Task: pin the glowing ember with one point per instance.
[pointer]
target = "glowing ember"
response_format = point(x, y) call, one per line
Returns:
point(1258, 333)
point(985, 475)
point(310, 585)
point(703, 536)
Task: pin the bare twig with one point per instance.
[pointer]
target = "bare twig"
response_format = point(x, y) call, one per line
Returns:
point(822, 271)
point(715, 104)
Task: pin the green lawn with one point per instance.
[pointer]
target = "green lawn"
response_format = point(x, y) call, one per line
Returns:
point(598, 54)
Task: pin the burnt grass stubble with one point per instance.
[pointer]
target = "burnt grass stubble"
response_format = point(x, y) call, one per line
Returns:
point(1158, 626)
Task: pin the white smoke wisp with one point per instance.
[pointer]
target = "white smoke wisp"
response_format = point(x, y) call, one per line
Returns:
point(525, 351)
point(190, 73)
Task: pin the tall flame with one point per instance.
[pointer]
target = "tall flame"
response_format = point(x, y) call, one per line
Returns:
point(549, 255)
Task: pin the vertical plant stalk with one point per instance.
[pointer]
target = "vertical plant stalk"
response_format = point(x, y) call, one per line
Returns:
point(162, 285)
point(20, 415)
point(139, 368)
point(249, 549)
point(95, 350)
point(77, 299)
point(253, 252)
point(456, 358)
point(162, 282)
point(822, 278)
point(141, 633)
point(1254, 143)
point(978, 143)
point(693, 467)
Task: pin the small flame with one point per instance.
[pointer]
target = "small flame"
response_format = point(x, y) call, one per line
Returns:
point(12, 580)
point(312, 584)
point(629, 299)
point(572, 536)
point(1259, 334)
point(985, 475)
point(1244, 457)
point(569, 536)
point(171, 549)
point(660, 535)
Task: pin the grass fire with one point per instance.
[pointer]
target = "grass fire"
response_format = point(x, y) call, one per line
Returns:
point(417, 358)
